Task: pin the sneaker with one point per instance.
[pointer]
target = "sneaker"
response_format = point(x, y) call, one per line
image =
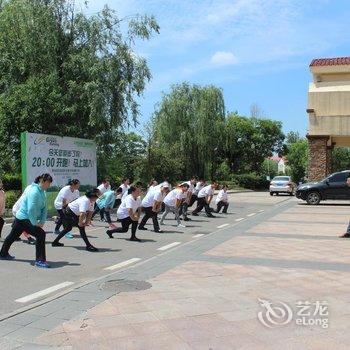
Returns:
point(57, 244)
point(345, 235)
point(159, 231)
point(42, 264)
point(187, 219)
point(195, 214)
point(91, 248)
point(211, 216)
point(69, 235)
point(135, 239)
point(161, 223)
point(57, 232)
point(142, 228)
point(109, 233)
point(31, 241)
point(7, 257)
point(180, 225)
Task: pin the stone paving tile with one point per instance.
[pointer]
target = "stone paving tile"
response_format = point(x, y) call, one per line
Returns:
point(212, 303)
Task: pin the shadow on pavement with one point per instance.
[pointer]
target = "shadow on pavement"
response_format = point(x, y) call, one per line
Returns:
point(53, 264)
point(100, 250)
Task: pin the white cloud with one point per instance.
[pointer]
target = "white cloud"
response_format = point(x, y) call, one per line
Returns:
point(223, 58)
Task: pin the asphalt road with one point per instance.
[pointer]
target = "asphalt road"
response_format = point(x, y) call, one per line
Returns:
point(72, 264)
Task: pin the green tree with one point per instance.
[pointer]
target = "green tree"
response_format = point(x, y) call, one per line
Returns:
point(124, 158)
point(189, 124)
point(297, 159)
point(340, 159)
point(250, 140)
point(65, 73)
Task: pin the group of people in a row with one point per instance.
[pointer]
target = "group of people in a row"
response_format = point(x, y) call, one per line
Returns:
point(30, 211)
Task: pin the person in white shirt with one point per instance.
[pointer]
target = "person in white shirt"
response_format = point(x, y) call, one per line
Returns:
point(78, 215)
point(105, 185)
point(186, 203)
point(205, 195)
point(172, 203)
point(66, 195)
point(152, 185)
point(125, 186)
point(152, 203)
point(129, 214)
point(222, 200)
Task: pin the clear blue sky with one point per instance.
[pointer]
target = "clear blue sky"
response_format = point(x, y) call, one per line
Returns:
point(257, 51)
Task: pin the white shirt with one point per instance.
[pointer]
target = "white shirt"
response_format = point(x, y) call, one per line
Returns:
point(67, 194)
point(128, 203)
point(199, 186)
point(125, 190)
point(80, 205)
point(17, 205)
point(103, 188)
point(191, 188)
point(206, 192)
point(151, 197)
point(222, 196)
point(171, 198)
point(164, 183)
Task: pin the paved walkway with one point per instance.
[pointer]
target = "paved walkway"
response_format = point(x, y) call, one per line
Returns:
point(205, 294)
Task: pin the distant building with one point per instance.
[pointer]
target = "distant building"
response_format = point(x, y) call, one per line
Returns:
point(281, 163)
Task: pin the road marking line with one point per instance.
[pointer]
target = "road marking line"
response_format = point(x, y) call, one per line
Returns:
point(261, 211)
point(223, 225)
point(122, 264)
point(240, 219)
point(198, 235)
point(44, 292)
point(252, 214)
point(168, 246)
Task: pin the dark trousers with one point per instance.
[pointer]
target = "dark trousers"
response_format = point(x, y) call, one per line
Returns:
point(25, 225)
point(98, 210)
point(108, 216)
point(149, 213)
point(117, 203)
point(220, 205)
point(59, 219)
point(69, 221)
point(192, 200)
point(202, 203)
point(125, 226)
point(1, 224)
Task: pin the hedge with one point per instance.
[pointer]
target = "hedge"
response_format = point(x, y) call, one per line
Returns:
point(12, 182)
point(251, 181)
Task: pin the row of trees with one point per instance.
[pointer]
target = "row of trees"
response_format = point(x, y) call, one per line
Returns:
point(68, 74)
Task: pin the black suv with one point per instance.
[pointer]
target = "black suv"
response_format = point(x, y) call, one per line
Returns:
point(332, 187)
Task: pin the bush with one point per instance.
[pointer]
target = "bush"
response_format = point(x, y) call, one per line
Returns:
point(11, 198)
point(12, 182)
point(251, 181)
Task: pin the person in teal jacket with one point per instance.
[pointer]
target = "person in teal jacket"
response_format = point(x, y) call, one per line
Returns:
point(105, 204)
point(31, 218)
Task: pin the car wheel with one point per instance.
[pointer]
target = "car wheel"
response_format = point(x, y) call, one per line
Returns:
point(291, 193)
point(277, 193)
point(271, 193)
point(313, 198)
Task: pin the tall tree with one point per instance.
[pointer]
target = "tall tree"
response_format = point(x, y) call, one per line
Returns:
point(189, 122)
point(64, 73)
point(250, 140)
